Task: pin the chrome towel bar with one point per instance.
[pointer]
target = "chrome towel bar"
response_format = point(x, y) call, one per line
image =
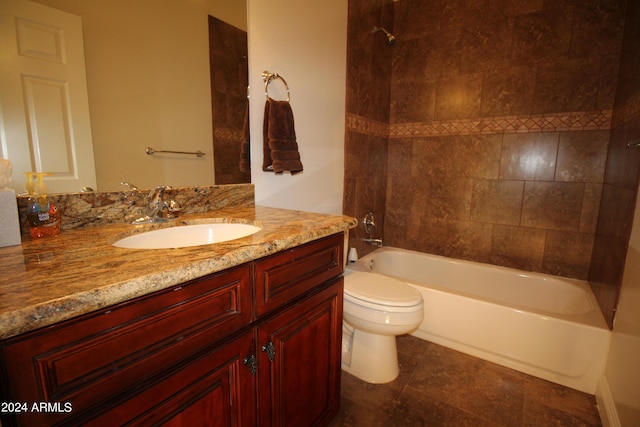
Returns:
point(151, 151)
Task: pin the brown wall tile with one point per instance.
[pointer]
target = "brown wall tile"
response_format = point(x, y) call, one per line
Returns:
point(397, 234)
point(541, 36)
point(530, 156)
point(458, 97)
point(413, 102)
point(508, 91)
point(567, 254)
point(475, 156)
point(623, 164)
point(518, 247)
point(450, 199)
point(567, 86)
point(497, 202)
point(607, 85)
point(582, 156)
point(552, 205)
point(401, 191)
point(498, 116)
point(485, 37)
point(622, 169)
point(468, 240)
point(426, 234)
point(228, 51)
point(430, 157)
point(597, 27)
point(590, 208)
point(629, 86)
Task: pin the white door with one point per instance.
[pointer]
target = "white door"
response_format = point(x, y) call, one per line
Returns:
point(44, 108)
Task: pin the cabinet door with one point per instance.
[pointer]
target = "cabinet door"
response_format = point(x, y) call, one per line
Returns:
point(101, 359)
point(299, 361)
point(217, 389)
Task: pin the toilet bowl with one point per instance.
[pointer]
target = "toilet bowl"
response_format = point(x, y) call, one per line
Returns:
point(376, 309)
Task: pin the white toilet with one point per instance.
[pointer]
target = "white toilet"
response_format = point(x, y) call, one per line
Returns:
point(377, 308)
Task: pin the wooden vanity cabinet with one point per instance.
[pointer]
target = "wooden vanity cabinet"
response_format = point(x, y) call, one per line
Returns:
point(214, 389)
point(299, 362)
point(300, 348)
point(202, 353)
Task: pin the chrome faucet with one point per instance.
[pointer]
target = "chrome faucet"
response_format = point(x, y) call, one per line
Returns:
point(369, 225)
point(375, 242)
point(130, 196)
point(155, 206)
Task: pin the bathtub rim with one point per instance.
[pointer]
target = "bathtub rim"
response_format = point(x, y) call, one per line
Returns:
point(594, 318)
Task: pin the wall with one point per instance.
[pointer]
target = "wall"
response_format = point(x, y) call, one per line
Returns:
point(368, 106)
point(305, 42)
point(621, 177)
point(229, 103)
point(615, 271)
point(619, 391)
point(498, 129)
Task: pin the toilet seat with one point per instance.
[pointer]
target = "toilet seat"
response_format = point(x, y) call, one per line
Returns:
point(380, 292)
point(376, 310)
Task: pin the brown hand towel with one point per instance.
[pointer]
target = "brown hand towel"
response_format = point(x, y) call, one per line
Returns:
point(245, 153)
point(279, 139)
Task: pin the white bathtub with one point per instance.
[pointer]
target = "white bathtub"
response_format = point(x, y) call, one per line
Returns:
point(546, 326)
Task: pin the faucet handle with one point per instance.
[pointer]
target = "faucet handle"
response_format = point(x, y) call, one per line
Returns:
point(156, 194)
point(129, 185)
point(171, 209)
point(369, 223)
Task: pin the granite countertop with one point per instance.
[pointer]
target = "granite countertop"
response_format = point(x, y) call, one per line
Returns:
point(45, 281)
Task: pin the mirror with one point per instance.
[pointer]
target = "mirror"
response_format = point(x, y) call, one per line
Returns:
point(150, 85)
point(229, 104)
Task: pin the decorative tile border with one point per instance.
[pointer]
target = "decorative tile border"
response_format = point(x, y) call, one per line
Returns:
point(573, 121)
point(367, 126)
point(590, 120)
point(627, 111)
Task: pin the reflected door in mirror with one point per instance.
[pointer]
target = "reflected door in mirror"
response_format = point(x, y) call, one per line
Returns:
point(43, 90)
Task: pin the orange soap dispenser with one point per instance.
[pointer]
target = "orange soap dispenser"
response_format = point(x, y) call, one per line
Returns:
point(43, 217)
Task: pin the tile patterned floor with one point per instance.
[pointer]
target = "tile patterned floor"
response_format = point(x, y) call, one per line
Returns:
point(441, 387)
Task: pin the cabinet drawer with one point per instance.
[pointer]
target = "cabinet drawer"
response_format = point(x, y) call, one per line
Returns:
point(289, 274)
point(109, 353)
point(216, 389)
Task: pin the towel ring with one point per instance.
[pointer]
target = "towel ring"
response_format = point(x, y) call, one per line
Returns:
point(268, 77)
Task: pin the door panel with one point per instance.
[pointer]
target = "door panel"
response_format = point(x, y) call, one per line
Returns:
point(299, 362)
point(43, 97)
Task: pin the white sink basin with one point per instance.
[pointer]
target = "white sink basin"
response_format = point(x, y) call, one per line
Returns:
point(187, 235)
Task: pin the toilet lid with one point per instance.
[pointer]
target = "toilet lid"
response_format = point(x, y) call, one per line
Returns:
point(379, 289)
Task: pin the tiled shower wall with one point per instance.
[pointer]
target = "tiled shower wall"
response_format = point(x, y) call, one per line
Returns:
point(229, 78)
point(621, 175)
point(368, 105)
point(499, 115)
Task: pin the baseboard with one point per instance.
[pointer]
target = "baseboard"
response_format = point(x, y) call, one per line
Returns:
point(606, 404)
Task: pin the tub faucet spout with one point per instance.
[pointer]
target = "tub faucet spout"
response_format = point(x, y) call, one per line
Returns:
point(375, 242)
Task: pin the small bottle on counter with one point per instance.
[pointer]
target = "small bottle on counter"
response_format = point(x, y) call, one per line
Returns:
point(43, 217)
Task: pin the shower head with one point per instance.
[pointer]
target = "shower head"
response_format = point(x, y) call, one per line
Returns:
point(391, 40)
